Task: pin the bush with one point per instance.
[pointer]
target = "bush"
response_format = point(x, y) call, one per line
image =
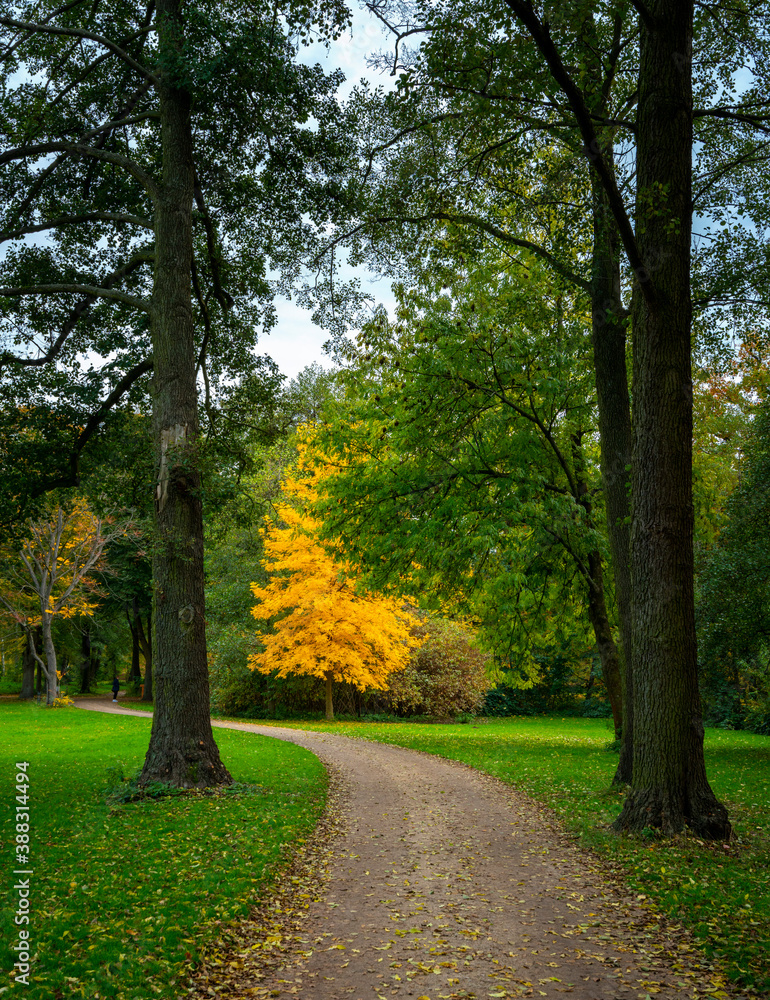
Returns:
point(447, 675)
point(564, 687)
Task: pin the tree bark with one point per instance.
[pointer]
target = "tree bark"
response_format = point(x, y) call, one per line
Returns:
point(145, 640)
point(27, 672)
point(182, 750)
point(597, 606)
point(605, 643)
point(669, 787)
point(135, 673)
point(608, 328)
point(329, 706)
point(608, 333)
point(86, 662)
point(48, 660)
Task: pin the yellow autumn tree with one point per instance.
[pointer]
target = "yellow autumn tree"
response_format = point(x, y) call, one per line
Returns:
point(323, 626)
point(54, 578)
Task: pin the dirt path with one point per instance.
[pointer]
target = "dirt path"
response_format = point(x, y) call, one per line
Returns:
point(444, 883)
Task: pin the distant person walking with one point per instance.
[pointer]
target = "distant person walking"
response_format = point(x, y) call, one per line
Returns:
point(115, 689)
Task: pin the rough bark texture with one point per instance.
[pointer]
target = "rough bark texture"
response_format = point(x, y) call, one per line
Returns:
point(669, 788)
point(182, 750)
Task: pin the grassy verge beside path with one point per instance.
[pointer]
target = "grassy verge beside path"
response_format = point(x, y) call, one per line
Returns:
point(124, 896)
point(720, 892)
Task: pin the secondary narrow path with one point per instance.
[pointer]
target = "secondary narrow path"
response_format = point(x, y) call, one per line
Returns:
point(445, 883)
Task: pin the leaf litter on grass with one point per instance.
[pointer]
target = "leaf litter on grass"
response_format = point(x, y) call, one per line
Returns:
point(271, 938)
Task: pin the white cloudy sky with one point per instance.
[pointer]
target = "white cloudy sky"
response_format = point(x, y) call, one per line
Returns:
point(296, 341)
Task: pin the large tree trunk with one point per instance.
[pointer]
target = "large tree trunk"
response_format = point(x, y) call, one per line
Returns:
point(669, 787)
point(329, 705)
point(182, 750)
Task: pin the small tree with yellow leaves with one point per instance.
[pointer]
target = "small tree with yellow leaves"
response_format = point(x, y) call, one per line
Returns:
point(53, 579)
point(322, 625)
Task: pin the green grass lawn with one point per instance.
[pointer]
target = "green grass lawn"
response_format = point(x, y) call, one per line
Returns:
point(721, 893)
point(186, 864)
point(125, 896)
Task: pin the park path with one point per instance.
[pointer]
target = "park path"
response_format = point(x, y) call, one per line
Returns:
point(442, 882)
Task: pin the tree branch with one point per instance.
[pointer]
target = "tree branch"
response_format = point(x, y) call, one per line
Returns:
point(122, 387)
point(402, 133)
point(93, 290)
point(72, 220)
point(75, 148)
point(758, 122)
point(6, 358)
point(592, 149)
point(644, 13)
point(96, 418)
point(223, 297)
point(111, 126)
point(79, 33)
point(492, 230)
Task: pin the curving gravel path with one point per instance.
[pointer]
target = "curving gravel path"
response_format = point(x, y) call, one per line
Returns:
point(444, 883)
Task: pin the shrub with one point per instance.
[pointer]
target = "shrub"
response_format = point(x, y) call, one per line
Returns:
point(446, 676)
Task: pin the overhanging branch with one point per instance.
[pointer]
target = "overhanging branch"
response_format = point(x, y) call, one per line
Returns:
point(79, 310)
point(94, 290)
point(121, 388)
point(73, 220)
point(486, 227)
point(78, 149)
point(49, 29)
point(73, 477)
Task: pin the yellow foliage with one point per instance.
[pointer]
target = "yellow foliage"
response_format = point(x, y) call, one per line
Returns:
point(58, 557)
point(322, 624)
